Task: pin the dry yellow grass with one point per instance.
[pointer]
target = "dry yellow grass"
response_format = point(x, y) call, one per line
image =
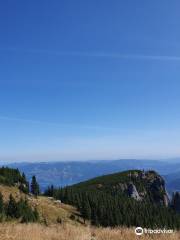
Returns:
point(69, 229)
point(48, 209)
point(71, 232)
point(6, 191)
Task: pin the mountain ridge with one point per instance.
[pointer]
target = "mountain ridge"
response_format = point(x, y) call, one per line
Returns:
point(130, 198)
point(68, 173)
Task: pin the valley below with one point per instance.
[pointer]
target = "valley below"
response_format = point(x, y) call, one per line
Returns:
point(67, 173)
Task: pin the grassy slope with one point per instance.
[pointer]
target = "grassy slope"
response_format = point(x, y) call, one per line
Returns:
point(69, 230)
point(48, 209)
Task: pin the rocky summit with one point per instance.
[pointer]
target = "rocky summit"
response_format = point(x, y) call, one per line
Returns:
point(131, 198)
point(136, 184)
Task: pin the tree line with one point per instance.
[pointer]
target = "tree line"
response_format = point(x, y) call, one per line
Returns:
point(104, 209)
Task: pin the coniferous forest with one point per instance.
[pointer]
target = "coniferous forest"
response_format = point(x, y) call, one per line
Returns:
point(103, 204)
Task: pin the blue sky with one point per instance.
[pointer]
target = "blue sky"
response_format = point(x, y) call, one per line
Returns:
point(84, 80)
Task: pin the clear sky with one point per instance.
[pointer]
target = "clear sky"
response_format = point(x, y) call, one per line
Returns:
point(95, 79)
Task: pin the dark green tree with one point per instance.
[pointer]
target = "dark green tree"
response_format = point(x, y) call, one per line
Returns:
point(35, 186)
point(24, 185)
point(12, 209)
point(86, 210)
point(49, 191)
point(1, 203)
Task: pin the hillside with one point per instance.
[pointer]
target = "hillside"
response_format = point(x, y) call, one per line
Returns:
point(129, 193)
point(13, 177)
point(130, 198)
point(50, 211)
point(138, 184)
point(18, 204)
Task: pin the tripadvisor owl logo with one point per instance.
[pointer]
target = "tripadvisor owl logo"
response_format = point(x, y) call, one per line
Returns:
point(139, 231)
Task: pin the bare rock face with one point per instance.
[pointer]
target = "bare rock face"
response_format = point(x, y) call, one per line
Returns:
point(122, 186)
point(133, 193)
point(157, 188)
point(143, 175)
point(176, 202)
point(166, 200)
point(143, 185)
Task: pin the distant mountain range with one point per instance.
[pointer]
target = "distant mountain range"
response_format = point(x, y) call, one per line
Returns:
point(68, 173)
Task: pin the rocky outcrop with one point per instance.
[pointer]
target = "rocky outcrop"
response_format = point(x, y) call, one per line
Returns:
point(157, 188)
point(144, 184)
point(122, 186)
point(132, 192)
point(140, 185)
point(143, 175)
point(166, 200)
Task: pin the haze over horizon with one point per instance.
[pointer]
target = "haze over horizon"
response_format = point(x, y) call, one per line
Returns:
point(99, 81)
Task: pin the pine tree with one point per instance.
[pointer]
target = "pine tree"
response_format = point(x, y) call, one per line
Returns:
point(26, 213)
point(1, 203)
point(35, 186)
point(86, 209)
point(12, 207)
point(49, 191)
point(24, 186)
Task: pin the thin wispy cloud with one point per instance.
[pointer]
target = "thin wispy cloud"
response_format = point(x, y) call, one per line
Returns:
point(94, 54)
point(58, 125)
point(88, 127)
